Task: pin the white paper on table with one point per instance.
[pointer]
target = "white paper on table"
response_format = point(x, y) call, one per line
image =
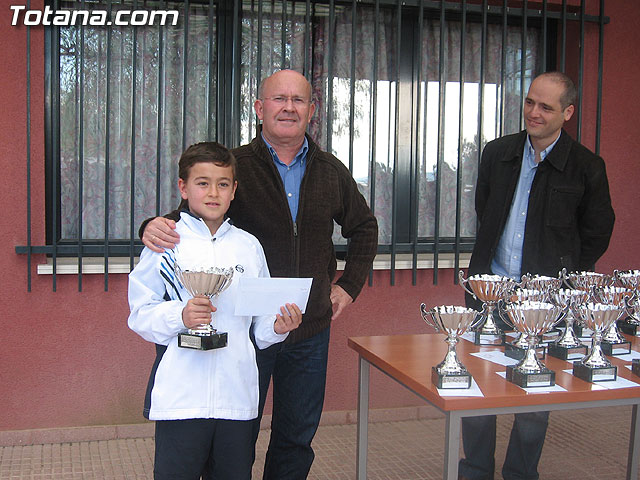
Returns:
point(610, 384)
point(629, 356)
point(554, 388)
point(468, 336)
point(472, 391)
point(496, 356)
point(617, 383)
point(265, 296)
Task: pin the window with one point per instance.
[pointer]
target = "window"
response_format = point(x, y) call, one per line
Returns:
point(407, 94)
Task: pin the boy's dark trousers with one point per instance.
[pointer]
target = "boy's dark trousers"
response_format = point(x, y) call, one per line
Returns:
point(211, 448)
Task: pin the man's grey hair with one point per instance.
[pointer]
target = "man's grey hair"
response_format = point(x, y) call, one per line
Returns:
point(570, 94)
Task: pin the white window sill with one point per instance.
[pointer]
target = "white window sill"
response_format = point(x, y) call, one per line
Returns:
point(95, 265)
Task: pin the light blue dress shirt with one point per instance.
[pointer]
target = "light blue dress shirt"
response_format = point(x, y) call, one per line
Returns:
point(291, 174)
point(507, 260)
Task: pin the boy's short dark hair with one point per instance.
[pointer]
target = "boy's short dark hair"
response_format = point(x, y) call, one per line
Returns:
point(205, 152)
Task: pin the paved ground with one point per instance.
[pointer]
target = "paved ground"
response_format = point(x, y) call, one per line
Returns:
point(581, 444)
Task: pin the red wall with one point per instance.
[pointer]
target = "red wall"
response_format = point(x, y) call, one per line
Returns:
point(67, 358)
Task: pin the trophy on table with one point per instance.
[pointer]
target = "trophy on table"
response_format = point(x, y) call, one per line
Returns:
point(595, 367)
point(568, 346)
point(532, 319)
point(489, 289)
point(209, 283)
point(546, 284)
point(585, 280)
point(518, 348)
point(454, 321)
point(612, 342)
point(543, 283)
point(632, 305)
point(630, 279)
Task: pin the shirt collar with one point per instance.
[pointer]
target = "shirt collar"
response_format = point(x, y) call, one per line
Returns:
point(530, 152)
point(301, 155)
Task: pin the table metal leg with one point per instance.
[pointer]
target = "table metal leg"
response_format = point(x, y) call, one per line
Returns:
point(363, 419)
point(451, 446)
point(634, 445)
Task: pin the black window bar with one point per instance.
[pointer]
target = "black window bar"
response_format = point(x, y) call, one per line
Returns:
point(405, 88)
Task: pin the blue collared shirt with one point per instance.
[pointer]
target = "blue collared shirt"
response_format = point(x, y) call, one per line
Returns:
point(291, 174)
point(507, 260)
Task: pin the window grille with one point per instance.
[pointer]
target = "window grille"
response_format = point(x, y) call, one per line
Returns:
point(407, 94)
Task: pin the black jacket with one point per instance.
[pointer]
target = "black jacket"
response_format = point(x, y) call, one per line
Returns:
point(569, 219)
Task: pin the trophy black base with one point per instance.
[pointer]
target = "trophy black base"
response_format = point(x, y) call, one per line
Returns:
point(551, 336)
point(545, 378)
point(613, 349)
point(202, 342)
point(635, 366)
point(595, 374)
point(450, 381)
point(513, 351)
point(567, 353)
point(492, 339)
point(629, 328)
point(582, 331)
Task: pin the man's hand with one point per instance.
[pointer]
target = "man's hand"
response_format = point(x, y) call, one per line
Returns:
point(289, 320)
point(339, 300)
point(197, 311)
point(160, 234)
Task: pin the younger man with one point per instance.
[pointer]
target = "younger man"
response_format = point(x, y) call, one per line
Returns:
point(203, 401)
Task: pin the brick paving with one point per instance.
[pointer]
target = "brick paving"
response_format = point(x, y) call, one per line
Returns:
point(581, 444)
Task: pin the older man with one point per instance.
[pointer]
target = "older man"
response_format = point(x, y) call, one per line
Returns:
point(543, 203)
point(289, 194)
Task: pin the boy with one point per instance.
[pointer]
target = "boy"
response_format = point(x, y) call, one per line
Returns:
point(203, 401)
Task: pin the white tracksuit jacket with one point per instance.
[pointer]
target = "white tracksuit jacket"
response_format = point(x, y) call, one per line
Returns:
point(220, 383)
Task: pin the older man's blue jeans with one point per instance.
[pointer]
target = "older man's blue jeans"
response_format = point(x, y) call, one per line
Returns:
point(299, 373)
point(523, 452)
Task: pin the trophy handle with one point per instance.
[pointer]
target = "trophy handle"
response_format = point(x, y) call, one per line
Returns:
point(564, 312)
point(427, 317)
point(479, 317)
point(502, 312)
point(463, 282)
point(616, 276)
point(564, 276)
point(632, 310)
point(595, 293)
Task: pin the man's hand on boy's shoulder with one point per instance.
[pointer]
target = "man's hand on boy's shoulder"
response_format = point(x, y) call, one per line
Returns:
point(290, 319)
point(160, 234)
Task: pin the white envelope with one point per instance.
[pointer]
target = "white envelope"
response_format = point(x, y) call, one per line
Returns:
point(265, 296)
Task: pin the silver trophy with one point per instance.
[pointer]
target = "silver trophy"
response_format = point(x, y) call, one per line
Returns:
point(595, 366)
point(532, 319)
point(612, 342)
point(454, 321)
point(518, 348)
point(489, 289)
point(585, 280)
point(630, 279)
point(546, 284)
point(541, 282)
point(568, 346)
point(209, 283)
